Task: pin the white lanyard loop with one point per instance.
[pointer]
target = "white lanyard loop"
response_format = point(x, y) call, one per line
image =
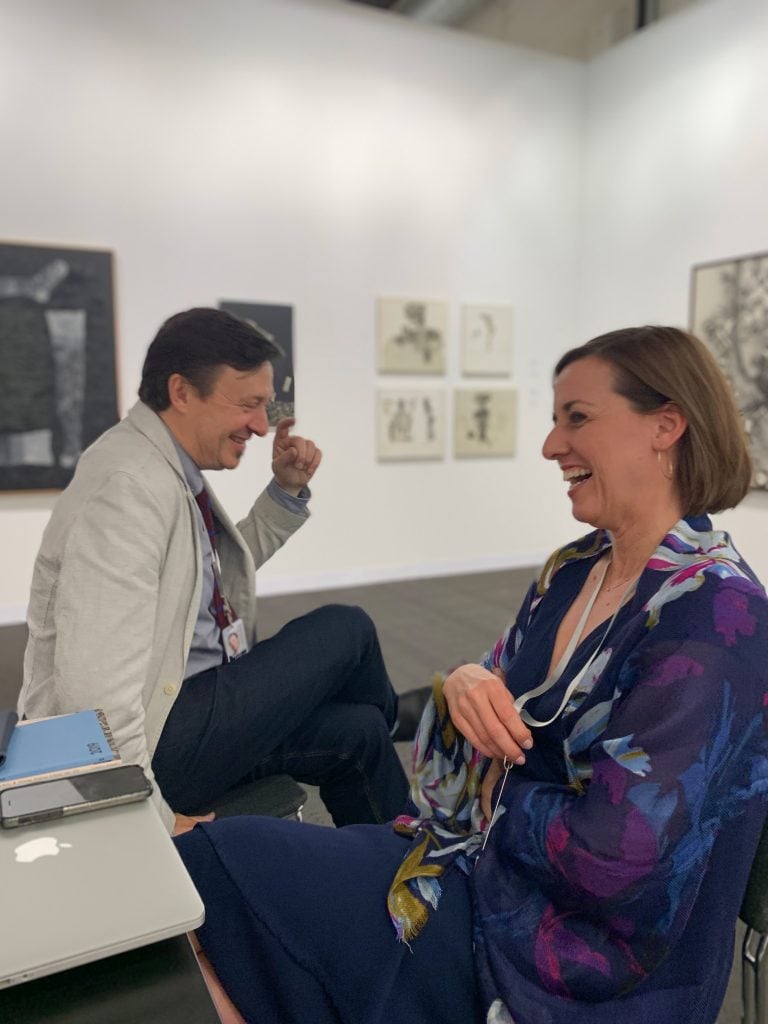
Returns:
point(553, 677)
point(573, 643)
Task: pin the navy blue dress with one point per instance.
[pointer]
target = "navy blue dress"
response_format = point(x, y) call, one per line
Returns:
point(297, 927)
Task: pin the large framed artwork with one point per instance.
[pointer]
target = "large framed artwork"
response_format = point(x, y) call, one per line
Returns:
point(487, 336)
point(485, 422)
point(58, 388)
point(276, 321)
point(729, 312)
point(410, 424)
point(411, 335)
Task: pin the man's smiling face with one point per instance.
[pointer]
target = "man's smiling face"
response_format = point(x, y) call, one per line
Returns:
point(219, 425)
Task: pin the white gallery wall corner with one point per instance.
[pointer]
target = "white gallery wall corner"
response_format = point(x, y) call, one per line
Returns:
point(322, 156)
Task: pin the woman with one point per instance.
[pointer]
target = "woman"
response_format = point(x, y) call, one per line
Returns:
point(586, 804)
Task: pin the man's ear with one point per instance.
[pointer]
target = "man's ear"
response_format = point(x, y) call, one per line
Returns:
point(671, 424)
point(179, 392)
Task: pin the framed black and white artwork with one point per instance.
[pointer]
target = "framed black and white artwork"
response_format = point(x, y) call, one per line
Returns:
point(487, 339)
point(277, 322)
point(410, 424)
point(58, 388)
point(729, 312)
point(411, 335)
point(485, 422)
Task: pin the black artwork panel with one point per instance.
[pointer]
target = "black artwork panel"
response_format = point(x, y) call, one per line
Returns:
point(58, 388)
point(277, 321)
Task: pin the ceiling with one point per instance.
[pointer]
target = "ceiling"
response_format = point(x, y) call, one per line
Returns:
point(571, 28)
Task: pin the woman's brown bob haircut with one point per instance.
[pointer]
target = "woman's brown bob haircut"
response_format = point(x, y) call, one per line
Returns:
point(656, 365)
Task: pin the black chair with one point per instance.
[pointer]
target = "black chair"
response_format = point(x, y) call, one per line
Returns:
point(754, 913)
point(276, 796)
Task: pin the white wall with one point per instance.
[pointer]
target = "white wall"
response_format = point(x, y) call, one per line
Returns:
point(675, 174)
point(321, 155)
point(317, 154)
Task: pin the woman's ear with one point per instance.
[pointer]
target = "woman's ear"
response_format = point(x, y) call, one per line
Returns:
point(671, 424)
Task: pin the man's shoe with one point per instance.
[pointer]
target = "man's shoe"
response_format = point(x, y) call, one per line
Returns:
point(410, 706)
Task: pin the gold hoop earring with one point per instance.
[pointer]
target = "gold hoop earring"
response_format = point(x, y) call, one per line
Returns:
point(669, 472)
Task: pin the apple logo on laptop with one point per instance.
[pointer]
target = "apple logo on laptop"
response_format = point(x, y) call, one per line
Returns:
point(44, 846)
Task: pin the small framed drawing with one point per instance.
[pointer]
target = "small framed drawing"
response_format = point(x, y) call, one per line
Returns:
point(410, 424)
point(485, 422)
point(277, 321)
point(729, 312)
point(411, 335)
point(487, 338)
point(58, 387)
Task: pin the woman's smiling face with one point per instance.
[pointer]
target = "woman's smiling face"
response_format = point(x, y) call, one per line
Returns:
point(604, 447)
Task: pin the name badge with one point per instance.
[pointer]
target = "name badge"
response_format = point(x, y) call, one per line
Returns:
point(233, 637)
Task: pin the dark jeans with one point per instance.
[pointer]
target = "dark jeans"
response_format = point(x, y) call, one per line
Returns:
point(314, 701)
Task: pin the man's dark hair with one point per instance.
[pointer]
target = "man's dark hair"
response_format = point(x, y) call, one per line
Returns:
point(196, 344)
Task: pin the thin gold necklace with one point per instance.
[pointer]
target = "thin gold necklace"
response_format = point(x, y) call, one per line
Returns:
point(623, 580)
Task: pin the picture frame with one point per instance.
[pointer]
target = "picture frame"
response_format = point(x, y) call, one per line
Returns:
point(276, 321)
point(729, 312)
point(410, 424)
point(411, 336)
point(487, 340)
point(485, 422)
point(58, 366)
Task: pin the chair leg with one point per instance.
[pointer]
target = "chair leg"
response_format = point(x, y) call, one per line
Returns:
point(754, 1001)
point(761, 1009)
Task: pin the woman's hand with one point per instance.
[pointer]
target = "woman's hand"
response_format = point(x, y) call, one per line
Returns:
point(482, 709)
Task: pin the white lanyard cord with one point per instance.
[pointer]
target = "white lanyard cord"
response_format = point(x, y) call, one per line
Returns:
point(216, 566)
point(553, 677)
point(573, 643)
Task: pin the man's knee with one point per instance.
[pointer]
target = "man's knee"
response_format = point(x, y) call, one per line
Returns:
point(350, 620)
point(363, 729)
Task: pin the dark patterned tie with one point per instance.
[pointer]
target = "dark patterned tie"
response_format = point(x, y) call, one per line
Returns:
point(203, 500)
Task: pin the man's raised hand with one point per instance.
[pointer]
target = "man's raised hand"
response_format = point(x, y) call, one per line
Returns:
point(294, 458)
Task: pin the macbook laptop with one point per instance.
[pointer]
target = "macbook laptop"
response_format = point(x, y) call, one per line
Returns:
point(87, 886)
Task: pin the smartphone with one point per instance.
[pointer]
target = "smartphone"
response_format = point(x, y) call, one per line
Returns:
point(55, 798)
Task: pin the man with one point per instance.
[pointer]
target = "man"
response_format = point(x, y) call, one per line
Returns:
point(142, 583)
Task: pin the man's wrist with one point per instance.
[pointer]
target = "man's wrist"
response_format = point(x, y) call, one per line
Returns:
point(286, 499)
point(294, 492)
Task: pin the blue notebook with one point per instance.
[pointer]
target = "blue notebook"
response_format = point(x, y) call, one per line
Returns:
point(58, 745)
